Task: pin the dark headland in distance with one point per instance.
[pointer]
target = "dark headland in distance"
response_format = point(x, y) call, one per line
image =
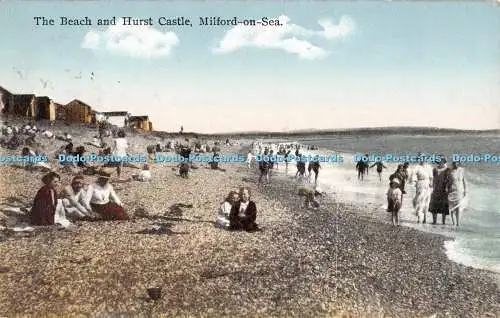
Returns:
point(335, 132)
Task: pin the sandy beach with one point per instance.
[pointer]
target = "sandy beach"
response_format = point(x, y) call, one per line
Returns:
point(326, 263)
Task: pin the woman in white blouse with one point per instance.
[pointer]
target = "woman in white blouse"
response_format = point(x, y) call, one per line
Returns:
point(103, 198)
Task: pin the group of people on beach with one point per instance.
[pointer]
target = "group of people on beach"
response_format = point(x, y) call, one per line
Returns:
point(439, 190)
point(270, 156)
point(81, 201)
point(363, 167)
point(76, 201)
point(306, 166)
point(238, 212)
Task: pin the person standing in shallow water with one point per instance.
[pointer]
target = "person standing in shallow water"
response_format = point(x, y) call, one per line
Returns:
point(439, 196)
point(400, 175)
point(457, 191)
point(361, 167)
point(394, 200)
point(380, 167)
point(423, 187)
point(405, 175)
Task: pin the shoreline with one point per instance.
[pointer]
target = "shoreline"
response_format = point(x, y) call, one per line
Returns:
point(331, 262)
point(451, 234)
point(346, 215)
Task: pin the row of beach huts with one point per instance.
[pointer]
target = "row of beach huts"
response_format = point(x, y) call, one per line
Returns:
point(32, 107)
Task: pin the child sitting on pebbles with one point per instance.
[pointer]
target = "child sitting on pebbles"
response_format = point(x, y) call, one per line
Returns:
point(394, 199)
point(225, 210)
point(310, 195)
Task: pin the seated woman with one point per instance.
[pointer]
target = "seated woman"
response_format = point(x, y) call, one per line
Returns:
point(144, 175)
point(225, 209)
point(243, 213)
point(45, 203)
point(14, 142)
point(104, 200)
point(75, 199)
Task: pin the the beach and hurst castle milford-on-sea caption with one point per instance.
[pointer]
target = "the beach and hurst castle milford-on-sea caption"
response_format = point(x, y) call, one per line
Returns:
point(213, 21)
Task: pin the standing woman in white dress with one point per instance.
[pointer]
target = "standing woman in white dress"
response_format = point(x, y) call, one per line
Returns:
point(457, 192)
point(422, 177)
point(120, 146)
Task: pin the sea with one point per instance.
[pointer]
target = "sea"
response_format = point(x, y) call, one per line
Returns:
point(476, 242)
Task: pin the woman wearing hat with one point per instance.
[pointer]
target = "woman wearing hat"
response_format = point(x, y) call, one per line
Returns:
point(439, 197)
point(103, 198)
point(422, 176)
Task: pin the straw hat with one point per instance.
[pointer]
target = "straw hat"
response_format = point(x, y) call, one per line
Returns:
point(104, 173)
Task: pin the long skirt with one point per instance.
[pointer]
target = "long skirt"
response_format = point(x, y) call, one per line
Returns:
point(439, 203)
point(457, 201)
point(422, 197)
point(110, 211)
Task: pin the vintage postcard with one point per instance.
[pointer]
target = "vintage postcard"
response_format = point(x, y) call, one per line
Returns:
point(250, 159)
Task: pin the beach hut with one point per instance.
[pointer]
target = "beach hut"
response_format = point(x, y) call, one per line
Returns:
point(45, 108)
point(23, 105)
point(78, 112)
point(5, 98)
point(139, 122)
point(60, 111)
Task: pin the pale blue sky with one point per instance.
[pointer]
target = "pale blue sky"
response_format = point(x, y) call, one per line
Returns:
point(414, 64)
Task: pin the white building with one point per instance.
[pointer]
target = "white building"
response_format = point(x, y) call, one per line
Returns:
point(99, 116)
point(116, 118)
